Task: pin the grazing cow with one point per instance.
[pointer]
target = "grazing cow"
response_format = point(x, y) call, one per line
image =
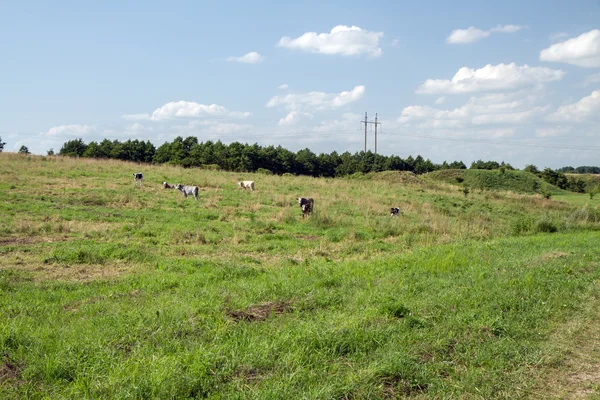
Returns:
point(247, 185)
point(307, 205)
point(138, 177)
point(188, 190)
point(167, 186)
point(395, 211)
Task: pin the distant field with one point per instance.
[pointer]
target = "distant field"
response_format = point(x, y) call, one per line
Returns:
point(108, 290)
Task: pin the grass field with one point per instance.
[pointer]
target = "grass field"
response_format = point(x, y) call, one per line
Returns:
point(108, 290)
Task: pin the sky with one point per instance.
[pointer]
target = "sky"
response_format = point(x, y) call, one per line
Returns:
point(512, 81)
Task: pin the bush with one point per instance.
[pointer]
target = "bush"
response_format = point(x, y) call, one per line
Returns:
point(521, 226)
point(546, 226)
point(264, 171)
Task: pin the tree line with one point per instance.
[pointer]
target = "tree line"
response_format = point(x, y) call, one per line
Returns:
point(238, 157)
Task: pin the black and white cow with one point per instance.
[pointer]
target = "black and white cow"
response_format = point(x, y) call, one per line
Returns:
point(395, 211)
point(138, 177)
point(306, 204)
point(188, 190)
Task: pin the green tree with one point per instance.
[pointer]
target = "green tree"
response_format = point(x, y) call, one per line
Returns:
point(532, 169)
point(51, 152)
point(24, 150)
point(74, 148)
point(1, 145)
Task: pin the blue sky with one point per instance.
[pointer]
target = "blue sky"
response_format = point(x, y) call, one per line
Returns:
point(508, 81)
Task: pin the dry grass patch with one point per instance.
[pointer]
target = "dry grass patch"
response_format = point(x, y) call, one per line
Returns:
point(260, 312)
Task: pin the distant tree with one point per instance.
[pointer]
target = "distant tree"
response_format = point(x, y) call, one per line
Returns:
point(480, 164)
point(457, 165)
point(24, 150)
point(51, 152)
point(531, 169)
point(74, 148)
point(1, 145)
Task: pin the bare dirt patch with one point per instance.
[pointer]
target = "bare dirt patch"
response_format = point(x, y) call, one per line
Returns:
point(9, 371)
point(260, 312)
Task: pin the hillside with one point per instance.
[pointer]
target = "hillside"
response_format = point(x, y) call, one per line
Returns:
point(591, 180)
point(514, 181)
point(112, 290)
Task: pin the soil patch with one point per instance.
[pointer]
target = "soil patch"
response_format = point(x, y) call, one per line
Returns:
point(260, 312)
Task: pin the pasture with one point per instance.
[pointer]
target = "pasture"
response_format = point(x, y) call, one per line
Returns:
point(108, 290)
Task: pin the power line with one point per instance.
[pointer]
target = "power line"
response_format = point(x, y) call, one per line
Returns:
point(345, 132)
point(507, 143)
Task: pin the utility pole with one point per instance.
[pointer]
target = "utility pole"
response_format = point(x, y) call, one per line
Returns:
point(366, 122)
point(376, 131)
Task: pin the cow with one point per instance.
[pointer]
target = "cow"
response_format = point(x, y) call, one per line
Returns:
point(307, 205)
point(247, 185)
point(395, 211)
point(193, 190)
point(138, 177)
point(167, 186)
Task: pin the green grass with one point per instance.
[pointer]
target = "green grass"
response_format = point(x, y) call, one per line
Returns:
point(113, 291)
point(515, 181)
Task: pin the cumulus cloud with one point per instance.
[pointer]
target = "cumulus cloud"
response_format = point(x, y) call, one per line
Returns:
point(583, 51)
point(71, 130)
point(585, 110)
point(249, 58)
point(187, 109)
point(472, 34)
point(344, 40)
point(491, 77)
point(493, 109)
point(293, 117)
point(317, 100)
point(283, 87)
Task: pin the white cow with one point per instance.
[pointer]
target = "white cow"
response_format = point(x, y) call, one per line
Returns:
point(247, 185)
point(193, 190)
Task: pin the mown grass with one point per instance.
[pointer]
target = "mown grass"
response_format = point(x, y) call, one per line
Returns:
point(113, 291)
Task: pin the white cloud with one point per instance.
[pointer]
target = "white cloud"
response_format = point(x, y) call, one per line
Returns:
point(187, 109)
point(283, 87)
point(591, 79)
point(472, 34)
point(491, 77)
point(583, 51)
point(499, 109)
point(71, 130)
point(317, 100)
point(440, 100)
point(293, 118)
point(249, 58)
point(344, 40)
point(585, 110)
